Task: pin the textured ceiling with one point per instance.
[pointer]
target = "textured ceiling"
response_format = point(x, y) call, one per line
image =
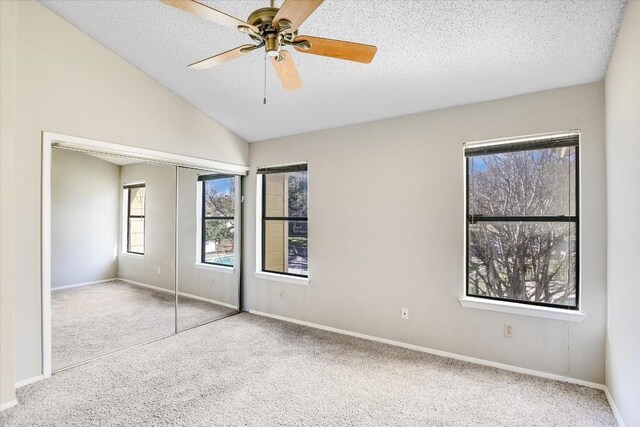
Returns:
point(431, 55)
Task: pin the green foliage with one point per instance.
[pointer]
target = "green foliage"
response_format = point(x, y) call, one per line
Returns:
point(297, 186)
point(219, 202)
point(218, 230)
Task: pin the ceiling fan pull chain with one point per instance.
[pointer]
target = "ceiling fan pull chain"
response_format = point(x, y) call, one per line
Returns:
point(264, 102)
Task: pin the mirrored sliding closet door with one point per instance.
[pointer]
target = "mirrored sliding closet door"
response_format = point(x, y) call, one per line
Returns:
point(208, 246)
point(112, 254)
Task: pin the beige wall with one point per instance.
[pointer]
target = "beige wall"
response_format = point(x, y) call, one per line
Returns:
point(398, 183)
point(8, 45)
point(157, 266)
point(85, 213)
point(68, 83)
point(623, 204)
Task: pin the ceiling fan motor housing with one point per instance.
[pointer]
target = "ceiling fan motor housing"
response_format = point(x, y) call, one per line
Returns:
point(271, 35)
point(263, 18)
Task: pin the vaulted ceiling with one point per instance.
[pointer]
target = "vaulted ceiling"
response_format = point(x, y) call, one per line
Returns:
point(431, 55)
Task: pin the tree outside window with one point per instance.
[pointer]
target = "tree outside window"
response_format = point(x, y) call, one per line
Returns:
point(522, 225)
point(218, 194)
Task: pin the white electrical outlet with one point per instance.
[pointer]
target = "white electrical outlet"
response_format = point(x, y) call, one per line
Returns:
point(158, 270)
point(405, 313)
point(508, 331)
point(281, 292)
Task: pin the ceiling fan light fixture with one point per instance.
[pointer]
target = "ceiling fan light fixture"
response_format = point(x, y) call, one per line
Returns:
point(271, 45)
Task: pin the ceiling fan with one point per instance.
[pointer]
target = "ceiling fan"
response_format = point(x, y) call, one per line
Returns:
point(274, 28)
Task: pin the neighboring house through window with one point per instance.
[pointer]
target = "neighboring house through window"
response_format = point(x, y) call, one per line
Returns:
point(284, 220)
point(135, 197)
point(217, 226)
point(522, 220)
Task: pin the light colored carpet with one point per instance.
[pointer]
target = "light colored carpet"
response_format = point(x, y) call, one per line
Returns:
point(249, 370)
point(94, 320)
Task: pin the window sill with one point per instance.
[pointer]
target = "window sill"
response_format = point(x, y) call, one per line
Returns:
point(283, 278)
point(521, 309)
point(213, 267)
point(130, 255)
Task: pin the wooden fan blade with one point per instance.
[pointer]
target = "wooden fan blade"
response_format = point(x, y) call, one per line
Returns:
point(338, 49)
point(206, 12)
point(296, 12)
point(223, 57)
point(287, 71)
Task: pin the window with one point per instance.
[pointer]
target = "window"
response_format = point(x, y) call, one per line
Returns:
point(284, 220)
point(522, 220)
point(217, 227)
point(135, 194)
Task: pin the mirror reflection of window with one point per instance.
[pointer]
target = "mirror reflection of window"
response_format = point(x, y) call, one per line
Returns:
point(135, 218)
point(218, 202)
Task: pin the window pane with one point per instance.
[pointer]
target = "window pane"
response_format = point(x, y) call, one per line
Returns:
point(286, 194)
point(524, 183)
point(218, 241)
point(286, 247)
point(274, 195)
point(136, 235)
point(297, 194)
point(525, 261)
point(219, 196)
point(136, 201)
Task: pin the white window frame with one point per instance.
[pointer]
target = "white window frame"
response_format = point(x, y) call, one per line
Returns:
point(508, 307)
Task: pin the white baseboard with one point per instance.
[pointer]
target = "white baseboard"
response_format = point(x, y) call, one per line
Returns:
point(183, 294)
point(28, 381)
point(614, 408)
point(77, 285)
point(9, 404)
point(438, 352)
